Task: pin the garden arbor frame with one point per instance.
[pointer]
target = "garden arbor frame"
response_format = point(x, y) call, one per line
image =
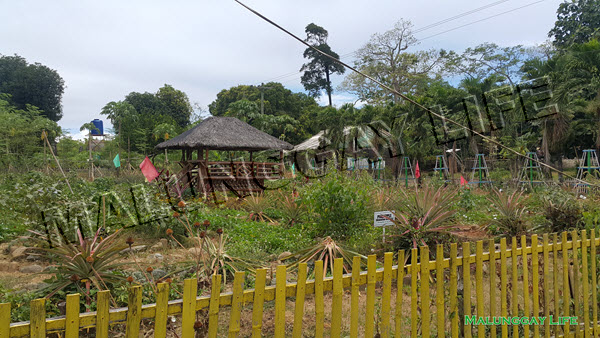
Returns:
point(225, 134)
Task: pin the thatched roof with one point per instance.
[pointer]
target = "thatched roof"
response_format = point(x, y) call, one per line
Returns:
point(224, 133)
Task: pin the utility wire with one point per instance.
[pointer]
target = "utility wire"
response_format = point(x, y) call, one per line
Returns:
point(458, 16)
point(490, 140)
point(480, 20)
point(432, 25)
point(435, 25)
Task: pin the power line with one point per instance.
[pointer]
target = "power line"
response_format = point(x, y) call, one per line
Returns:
point(458, 16)
point(480, 20)
point(435, 24)
point(408, 99)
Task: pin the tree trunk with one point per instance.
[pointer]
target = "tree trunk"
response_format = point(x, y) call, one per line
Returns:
point(546, 150)
point(328, 84)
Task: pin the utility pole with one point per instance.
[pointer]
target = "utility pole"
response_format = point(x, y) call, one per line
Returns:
point(91, 159)
point(44, 135)
point(262, 97)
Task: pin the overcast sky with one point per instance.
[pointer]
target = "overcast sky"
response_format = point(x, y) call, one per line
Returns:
point(107, 49)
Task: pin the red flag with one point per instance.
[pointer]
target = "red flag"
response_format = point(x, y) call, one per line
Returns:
point(463, 181)
point(148, 169)
point(417, 171)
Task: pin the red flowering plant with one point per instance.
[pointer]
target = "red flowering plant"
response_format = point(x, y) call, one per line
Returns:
point(422, 216)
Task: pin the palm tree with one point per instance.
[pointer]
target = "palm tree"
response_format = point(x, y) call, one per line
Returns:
point(478, 87)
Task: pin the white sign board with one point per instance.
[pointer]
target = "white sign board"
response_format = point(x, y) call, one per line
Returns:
point(380, 220)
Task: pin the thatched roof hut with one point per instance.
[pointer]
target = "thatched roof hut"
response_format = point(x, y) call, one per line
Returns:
point(225, 133)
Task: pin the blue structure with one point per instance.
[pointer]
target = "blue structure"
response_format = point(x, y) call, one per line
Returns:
point(99, 131)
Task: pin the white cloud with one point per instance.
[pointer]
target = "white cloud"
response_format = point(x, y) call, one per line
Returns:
point(75, 134)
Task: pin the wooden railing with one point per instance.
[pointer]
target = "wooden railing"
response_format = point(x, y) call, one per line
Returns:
point(531, 277)
point(244, 170)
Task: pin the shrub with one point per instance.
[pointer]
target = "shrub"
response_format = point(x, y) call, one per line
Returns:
point(340, 205)
point(562, 216)
point(561, 211)
point(257, 206)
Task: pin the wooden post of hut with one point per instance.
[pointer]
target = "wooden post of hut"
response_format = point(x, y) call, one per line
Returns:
point(282, 167)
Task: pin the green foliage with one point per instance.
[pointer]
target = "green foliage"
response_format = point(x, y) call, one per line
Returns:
point(20, 303)
point(137, 118)
point(211, 255)
point(577, 22)
point(21, 134)
point(292, 207)
point(385, 57)
point(175, 104)
point(340, 205)
point(319, 68)
point(561, 211)
point(285, 114)
point(32, 85)
point(257, 207)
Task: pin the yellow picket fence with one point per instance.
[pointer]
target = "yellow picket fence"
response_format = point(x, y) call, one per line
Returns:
point(552, 276)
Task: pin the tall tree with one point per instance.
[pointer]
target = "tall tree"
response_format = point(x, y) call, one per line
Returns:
point(318, 70)
point(33, 84)
point(175, 104)
point(20, 132)
point(577, 22)
point(385, 58)
point(123, 117)
point(276, 99)
point(488, 59)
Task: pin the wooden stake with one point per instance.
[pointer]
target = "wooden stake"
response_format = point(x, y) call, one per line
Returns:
point(91, 160)
point(57, 163)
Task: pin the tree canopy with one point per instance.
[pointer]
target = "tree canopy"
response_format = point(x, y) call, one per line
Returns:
point(319, 68)
point(386, 59)
point(21, 133)
point(137, 116)
point(32, 84)
point(577, 21)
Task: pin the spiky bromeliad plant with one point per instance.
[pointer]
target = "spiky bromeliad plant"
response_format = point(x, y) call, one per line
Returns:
point(211, 255)
point(257, 207)
point(292, 208)
point(424, 214)
point(89, 262)
point(327, 250)
point(382, 199)
point(510, 208)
